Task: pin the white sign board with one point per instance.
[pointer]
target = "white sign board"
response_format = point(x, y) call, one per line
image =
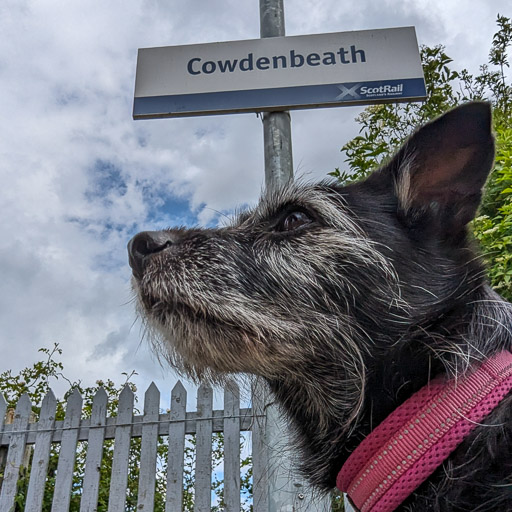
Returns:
point(279, 73)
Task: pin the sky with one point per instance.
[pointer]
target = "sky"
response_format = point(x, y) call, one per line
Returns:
point(79, 177)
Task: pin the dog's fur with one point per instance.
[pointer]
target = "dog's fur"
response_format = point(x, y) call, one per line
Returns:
point(347, 300)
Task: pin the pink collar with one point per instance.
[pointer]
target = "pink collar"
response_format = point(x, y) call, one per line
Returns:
point(406, 448)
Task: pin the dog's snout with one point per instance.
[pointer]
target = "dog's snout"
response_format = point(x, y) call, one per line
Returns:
point(144, 244)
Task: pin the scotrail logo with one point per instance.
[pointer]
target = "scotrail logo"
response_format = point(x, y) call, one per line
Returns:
point(359, 91)
point(382, 90)
point(348, 93)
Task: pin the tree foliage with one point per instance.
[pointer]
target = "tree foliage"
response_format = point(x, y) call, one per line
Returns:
point(385, 127)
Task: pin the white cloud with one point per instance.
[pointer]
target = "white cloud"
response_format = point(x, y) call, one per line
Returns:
point(80, 177)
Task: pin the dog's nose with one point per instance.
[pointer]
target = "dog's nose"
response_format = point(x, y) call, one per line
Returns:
point(143, 245)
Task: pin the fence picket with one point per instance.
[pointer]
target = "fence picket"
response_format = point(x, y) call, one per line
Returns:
point(175, 459)
point(147, 474)
point(232, 447)
point(3, 449)
point(3, 409)
point(42, 446)
point(15, 453)
point(259, 448)
point(91, 482)
point(66, 464)
point(119, 478)
point(204, 449)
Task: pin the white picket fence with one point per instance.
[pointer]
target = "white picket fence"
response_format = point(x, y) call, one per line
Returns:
point(22, 441)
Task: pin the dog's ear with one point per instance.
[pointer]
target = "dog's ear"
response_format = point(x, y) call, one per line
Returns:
point(439, 173)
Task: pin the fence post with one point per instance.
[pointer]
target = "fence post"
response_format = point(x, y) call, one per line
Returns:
point(3, 449)
point(204, 430)
point(148, 449)
point(260, 399)
point(42, 448)
point(15, 453)
point(120, 460)
point(90, 486)
point(176, 454)
point(277, 485)
point(232, 447)
point(67, 454)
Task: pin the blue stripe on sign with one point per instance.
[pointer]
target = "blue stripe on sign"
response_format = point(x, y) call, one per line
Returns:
point(279, 98)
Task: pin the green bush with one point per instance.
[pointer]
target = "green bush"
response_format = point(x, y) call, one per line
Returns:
point(385, 127)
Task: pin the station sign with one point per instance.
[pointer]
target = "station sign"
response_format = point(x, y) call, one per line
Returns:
point(279, 73)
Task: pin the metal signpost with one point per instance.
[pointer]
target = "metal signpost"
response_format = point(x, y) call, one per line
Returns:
point(277, 132)
point(272, 75)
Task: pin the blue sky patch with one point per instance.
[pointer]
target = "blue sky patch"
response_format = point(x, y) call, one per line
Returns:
point(167, 210)
point(106, 178)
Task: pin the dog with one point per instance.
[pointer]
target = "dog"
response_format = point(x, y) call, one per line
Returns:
point(350, 301)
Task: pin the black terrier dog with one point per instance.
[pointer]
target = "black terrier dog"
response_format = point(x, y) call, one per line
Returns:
point(353, 303)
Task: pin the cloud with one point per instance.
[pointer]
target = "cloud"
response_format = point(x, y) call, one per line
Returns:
point(80, 177)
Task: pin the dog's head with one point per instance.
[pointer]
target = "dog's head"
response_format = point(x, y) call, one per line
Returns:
point(330, 286)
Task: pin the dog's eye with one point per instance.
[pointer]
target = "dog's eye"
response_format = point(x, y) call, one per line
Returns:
point(295, 220)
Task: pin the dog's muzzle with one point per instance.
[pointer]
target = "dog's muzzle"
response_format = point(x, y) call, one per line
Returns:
point(143, 245)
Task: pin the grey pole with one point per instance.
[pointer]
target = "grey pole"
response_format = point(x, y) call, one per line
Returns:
point(287, 491)
point(277, 134)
